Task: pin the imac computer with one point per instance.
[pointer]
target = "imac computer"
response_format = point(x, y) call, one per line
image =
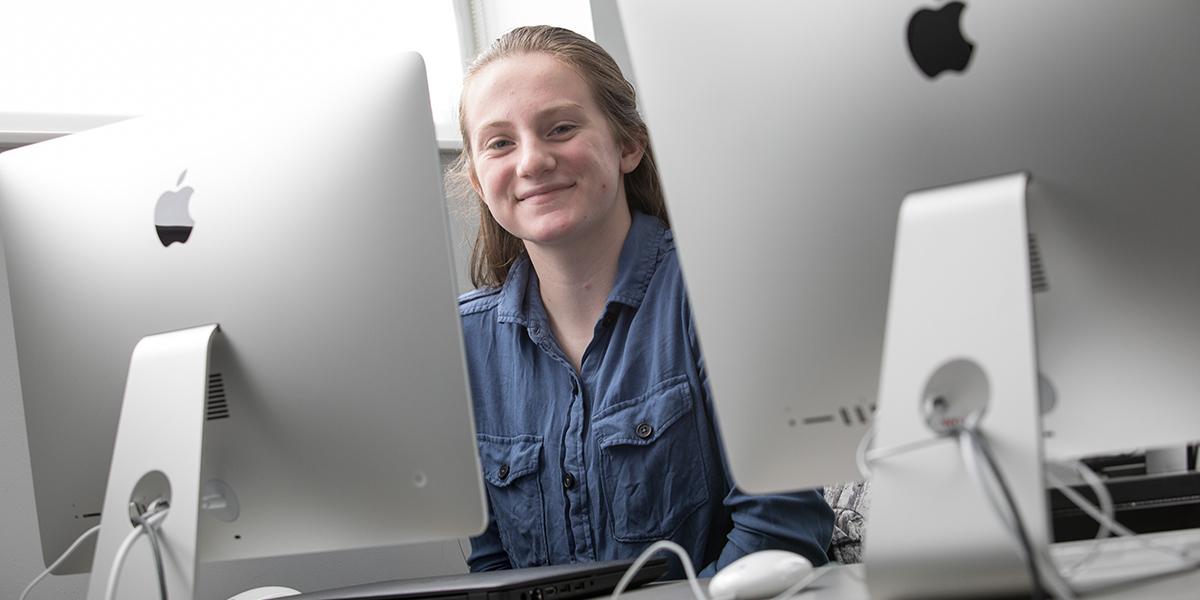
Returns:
point(246, 309)
point(1042, 267)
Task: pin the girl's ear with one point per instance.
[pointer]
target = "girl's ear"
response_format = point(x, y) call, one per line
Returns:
point(631, 156)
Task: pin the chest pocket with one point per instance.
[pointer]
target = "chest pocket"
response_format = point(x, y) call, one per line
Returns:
point(511, 470)
point(651, 463)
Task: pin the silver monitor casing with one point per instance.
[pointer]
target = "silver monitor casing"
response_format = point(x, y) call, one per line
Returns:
point(789, 133)
point(320, 248)
point(958, 382)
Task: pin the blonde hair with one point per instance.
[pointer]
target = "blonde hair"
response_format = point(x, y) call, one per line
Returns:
point(495, 248)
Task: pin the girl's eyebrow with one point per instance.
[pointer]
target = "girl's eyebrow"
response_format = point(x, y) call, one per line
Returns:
point(549, 111)
point(560, 108)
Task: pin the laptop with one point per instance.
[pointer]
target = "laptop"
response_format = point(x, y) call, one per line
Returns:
point(558, 582)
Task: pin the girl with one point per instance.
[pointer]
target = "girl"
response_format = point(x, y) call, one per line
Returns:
point(595, 427)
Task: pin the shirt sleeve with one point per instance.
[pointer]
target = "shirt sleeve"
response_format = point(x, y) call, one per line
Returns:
point(800, 522)
point(487, 551)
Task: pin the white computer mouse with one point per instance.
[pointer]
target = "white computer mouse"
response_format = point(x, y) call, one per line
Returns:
point(763, 574)
point(266, 593)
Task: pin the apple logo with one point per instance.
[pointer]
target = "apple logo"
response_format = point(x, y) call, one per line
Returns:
point(936, 42)
point(171, 217)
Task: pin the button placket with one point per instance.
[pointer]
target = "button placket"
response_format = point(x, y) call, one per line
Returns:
point(573, 486)
point(569, 479)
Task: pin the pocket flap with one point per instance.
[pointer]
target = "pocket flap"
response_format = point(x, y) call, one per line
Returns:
point(642, 420)
point(506, 459)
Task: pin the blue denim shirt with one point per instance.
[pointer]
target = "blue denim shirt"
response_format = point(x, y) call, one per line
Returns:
point(598, 464)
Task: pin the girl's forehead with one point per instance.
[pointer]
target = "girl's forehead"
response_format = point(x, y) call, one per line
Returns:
point(523, 81)
point(531, 64)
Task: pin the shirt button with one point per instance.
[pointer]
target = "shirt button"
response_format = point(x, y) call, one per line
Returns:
point(644, 430)
point(568, 481)
point(503, 473)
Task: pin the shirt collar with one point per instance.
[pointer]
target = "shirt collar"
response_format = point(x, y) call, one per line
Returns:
point(639, 259)
point(520, 296)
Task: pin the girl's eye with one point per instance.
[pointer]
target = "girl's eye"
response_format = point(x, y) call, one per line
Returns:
point(561, 129)
point(498, 144)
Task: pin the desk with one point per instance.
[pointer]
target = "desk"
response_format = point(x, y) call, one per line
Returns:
point(846, 583)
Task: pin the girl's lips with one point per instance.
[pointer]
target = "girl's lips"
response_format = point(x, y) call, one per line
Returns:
point(546, 190)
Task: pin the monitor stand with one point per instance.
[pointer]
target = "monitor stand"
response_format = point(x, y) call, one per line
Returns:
point(157, 455)
point(959, 345)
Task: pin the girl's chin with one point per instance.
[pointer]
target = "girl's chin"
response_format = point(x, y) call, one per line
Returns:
point(553, 232)
point(548, 236)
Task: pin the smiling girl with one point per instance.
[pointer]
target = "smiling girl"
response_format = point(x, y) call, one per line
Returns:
point(595, 425)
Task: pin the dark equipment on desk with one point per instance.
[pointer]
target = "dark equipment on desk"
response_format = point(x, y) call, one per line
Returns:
point(1144, 503)
point(560, 582)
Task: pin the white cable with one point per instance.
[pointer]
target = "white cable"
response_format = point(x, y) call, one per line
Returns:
point(1088, 507)
point(1059, 586)
point(875, 455)
point(1052, 577)
point(1120, 529)
point(84, 536)
point(1044, 569)
point(860, 453)
point(119, 559)
point(1189, 563)
point(645, 556)
point(966, 446)
point(865, 455)
point(1106, 506)
point(158, 505)
point(156, 549)
point(1106, 502)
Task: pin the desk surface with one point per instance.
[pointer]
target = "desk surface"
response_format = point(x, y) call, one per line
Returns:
point(847, 583)
point(842, 583)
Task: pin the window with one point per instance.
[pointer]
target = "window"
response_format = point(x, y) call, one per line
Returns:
point(494, 17)
point(69, 65)
point(71, 59)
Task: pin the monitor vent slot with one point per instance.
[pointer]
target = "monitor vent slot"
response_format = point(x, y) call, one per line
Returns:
point(1037, 269)
point(217, 406)
point(850, 416)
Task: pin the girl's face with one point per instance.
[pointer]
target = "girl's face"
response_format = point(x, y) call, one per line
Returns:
point(547, 164)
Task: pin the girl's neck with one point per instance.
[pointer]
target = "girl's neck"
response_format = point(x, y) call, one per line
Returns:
point(575, 281)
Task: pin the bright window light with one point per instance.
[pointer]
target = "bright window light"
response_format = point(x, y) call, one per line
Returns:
point(130, 57)
point(498, 16)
